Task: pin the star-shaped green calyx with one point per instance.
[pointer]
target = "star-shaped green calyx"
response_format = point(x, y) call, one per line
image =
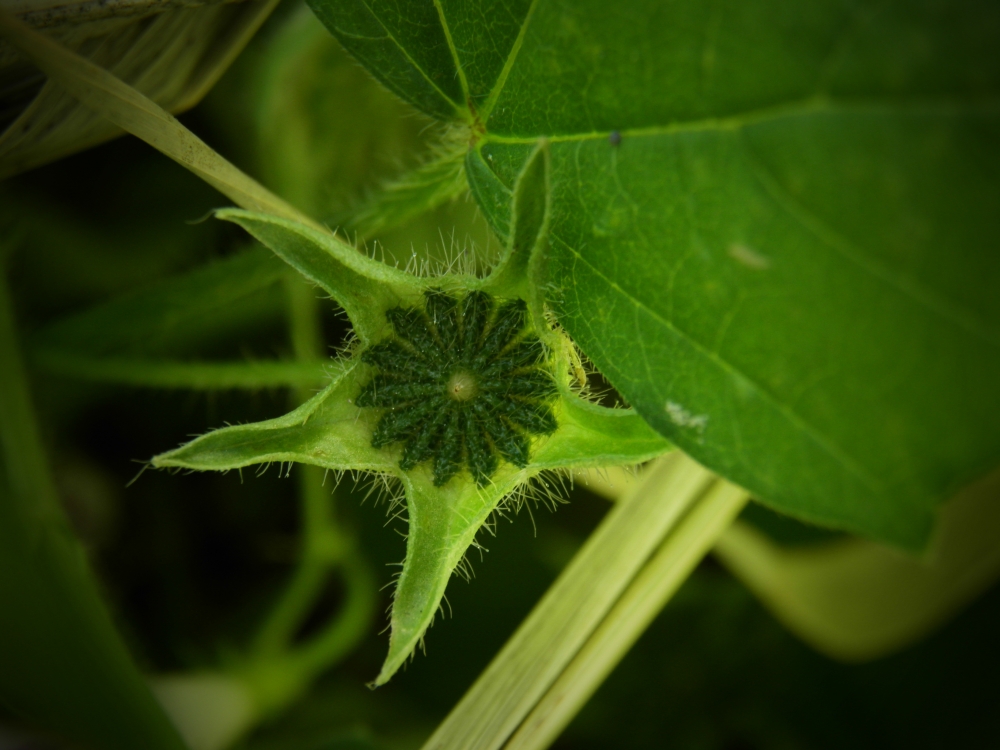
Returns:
point(461, 382)
point(456, 377)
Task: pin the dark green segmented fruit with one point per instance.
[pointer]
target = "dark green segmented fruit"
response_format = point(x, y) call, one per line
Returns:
point(461, 383)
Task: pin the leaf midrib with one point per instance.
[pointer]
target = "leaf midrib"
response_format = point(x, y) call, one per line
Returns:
point(815, 104)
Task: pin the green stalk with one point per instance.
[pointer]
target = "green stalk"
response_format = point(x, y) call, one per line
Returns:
point(322, 544)
point(346, 630)
point(555, 631)
point(149, 373)
point(279, 672)
point(138, 114)
point(322, 548)
point(645, 597)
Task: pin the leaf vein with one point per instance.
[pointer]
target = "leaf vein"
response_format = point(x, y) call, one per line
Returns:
point(454, 52)
point(406, 54)
point(908, 287)
point(508, 63)
point(845, 460)
point(809, 105)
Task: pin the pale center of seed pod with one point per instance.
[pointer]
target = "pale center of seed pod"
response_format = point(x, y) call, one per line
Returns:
point(462, 386)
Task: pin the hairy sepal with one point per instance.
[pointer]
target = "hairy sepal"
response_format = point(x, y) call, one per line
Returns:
point(328, 431)
point(364, 287)
point(444, 521)
point(332, 431)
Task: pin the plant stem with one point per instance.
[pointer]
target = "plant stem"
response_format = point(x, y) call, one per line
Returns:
point(195, 375)
point(303, 323)
point(131, 110)
point(324, 545)
point(645, 597)
point(322, 548)
point(351, 623)
point(560, 624)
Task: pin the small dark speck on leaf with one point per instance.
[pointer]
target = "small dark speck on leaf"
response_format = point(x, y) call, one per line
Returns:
point(615, 138)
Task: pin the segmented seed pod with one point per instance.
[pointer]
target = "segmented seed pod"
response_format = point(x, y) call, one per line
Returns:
point(461, 383)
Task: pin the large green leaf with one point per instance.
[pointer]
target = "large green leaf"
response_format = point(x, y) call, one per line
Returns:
point(771, 223)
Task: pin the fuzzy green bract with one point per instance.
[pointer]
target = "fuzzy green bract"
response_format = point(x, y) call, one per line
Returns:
point(504, 333)
point(772, 224)
point(460, 384)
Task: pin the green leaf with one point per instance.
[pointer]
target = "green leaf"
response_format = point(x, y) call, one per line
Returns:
point(771, 230)
point(405, 47)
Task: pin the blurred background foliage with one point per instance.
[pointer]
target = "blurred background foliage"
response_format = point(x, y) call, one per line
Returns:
point(190, 563)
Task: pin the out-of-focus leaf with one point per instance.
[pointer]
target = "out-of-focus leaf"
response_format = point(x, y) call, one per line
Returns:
point(856, 600)
point(107, 95)
point(142, 338)
point(159, 318)
point(323, 130)
point(62, 665)
point(171, 53)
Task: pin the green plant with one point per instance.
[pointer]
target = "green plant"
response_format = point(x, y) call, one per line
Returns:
point(768, 227)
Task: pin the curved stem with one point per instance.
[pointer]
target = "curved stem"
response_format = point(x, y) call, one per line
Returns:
point(152, 373)
point(347, 629)
point(325, 547)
